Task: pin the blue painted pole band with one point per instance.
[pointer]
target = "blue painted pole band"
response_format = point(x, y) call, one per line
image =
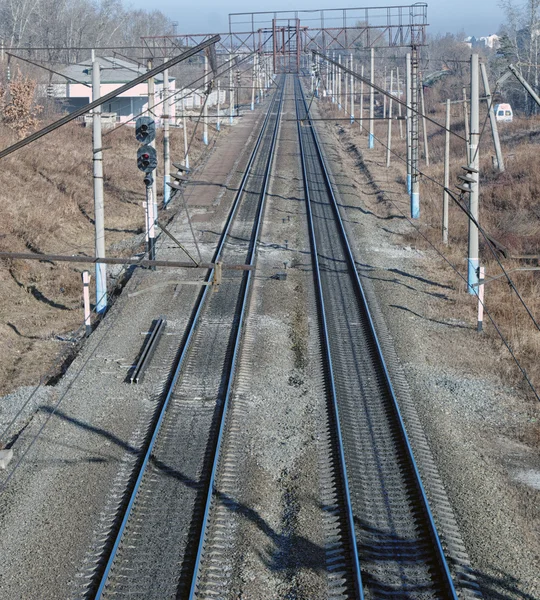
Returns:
point(472, 275)
point(205, 138)
point(252, 106)
point(371, 142)
point(101, 288)
point(166, 190)
point(415, 205)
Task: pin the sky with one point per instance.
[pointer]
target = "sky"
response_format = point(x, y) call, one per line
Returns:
point(475, 17)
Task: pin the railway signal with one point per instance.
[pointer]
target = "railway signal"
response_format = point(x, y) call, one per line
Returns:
point(145, 130)
point(146, 159)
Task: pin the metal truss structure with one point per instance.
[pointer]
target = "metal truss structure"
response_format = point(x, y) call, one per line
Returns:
point(287, 34)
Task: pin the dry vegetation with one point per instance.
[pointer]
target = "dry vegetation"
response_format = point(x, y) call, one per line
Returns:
point(47, 206)
point(509, 213)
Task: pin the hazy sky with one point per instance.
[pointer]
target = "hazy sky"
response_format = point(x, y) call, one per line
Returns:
point(475, 17)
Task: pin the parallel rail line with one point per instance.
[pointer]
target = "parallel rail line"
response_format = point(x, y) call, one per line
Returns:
point(199, 388)
point(396, 549)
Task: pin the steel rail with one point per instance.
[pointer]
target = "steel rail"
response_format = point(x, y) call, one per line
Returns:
point(197, 311)
point(329, 365)
point(252, 257)
point(448, 582)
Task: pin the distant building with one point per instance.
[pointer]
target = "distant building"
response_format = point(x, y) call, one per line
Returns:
point(490, 41)
point(114, 73)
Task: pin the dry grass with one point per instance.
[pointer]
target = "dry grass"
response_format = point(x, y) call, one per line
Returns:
point(47, 206)
point(509, 212)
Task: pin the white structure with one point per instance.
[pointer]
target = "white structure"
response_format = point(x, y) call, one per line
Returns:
point(114, 72)
point(503, 112)
point(194, 99)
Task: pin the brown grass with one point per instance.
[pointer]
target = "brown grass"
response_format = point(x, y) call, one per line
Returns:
point(509, 212)
point(46, 205)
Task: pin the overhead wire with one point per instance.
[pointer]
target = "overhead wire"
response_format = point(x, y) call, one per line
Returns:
point(490, 246)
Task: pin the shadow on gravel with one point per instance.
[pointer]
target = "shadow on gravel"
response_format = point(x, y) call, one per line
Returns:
point(422, 279)
point(502, 587)
point(453, 325)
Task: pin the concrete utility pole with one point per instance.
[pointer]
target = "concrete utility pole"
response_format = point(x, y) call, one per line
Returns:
point(327, 87)
point(371, 142)
point(218, 118)
point(424, 127)
point(362, 99)
point(205, 104)
point(408, 121)
point(466, 119)
point(152, 210)
point(446, 174)
point(333, 79)
point(184, 125)
point(415, 176)
point(389, 140)
point(166, 142)
point(400, 114)
point(339, 73)
point(492, 119)
point(353, 89)
point(99, 209)
point(473, 257)
point(253, 82)
point(231, 89)
point(346, 95)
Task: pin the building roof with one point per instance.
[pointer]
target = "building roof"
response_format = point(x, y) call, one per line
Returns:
point(113, 70)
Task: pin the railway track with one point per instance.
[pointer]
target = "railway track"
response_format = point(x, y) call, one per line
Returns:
point(158, 544)
point(396, 542)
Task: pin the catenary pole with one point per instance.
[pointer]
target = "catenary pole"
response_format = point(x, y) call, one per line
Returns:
point(424, 127)
point(231, 91)
point(467, 129)
point(166, 141)
point(218, 118)
point(389, 140)
point(99, 208)
point(371, 142)
point(184, 125)
point(153, 210)
point(353, 89)
point(446, 174)
point(408, 121)
point(492, 119)
point(400, 114)
point(205, 105)
point(362, 99)
point(473, 253)
point(415, 137)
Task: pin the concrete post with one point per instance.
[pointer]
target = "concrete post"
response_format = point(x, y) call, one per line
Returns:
point(492, 119)
point(389, 139)
point(253, 82)
point(231, 89)
point(400, 113)
point(371, 142)
point(353, 89)
point(218, 118)
point(151, 113)
point(408, 120)
point(346, 95)
point(86, 303)
point(415, 137)
point(184, 125)
point(205, 105)
point(362, 99)
point(446, 174)
point(466, 119)
point(424, 124)
point(166, 141)
point(473, 254)
point(99, 208)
